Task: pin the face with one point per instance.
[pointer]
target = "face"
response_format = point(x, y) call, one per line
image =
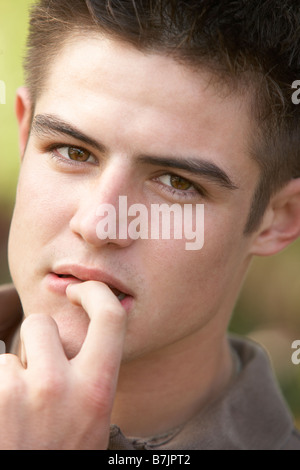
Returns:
point(113, 122)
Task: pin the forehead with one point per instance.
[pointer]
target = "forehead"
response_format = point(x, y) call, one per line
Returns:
point(111, 89)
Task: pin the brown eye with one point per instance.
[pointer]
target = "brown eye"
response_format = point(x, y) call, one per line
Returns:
point(180, 183)
point(78, 154)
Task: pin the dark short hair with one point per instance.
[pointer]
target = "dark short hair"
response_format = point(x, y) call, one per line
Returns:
point(247, 44)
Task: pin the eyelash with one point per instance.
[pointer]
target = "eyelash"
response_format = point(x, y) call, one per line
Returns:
point(181, 193)
point(198, 190)
point(65, 161)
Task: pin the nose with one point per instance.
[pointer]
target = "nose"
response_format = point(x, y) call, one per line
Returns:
point(101, 213)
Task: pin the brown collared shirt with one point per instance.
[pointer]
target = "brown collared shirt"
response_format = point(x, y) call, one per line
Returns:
point(249, 415)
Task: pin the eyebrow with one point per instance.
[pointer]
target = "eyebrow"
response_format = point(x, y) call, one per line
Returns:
point(45, 124)
point(196, 166)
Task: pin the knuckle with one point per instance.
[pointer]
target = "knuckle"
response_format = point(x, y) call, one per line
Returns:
point(48, 388)
point(115, 314)
point(34, 320)
point(12, 388)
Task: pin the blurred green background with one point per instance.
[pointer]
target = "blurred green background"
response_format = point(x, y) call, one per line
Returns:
point(13, 24)
point(269, 305)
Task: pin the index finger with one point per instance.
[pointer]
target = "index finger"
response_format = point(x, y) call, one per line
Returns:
point(101, 352)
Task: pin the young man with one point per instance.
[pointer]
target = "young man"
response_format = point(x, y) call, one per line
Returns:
point(124, 342)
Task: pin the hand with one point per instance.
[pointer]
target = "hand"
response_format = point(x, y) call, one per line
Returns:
point(50, 402)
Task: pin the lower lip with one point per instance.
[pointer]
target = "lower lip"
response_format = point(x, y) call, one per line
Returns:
point(58, 285)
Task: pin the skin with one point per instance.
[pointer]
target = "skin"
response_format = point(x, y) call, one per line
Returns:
point(171, 342)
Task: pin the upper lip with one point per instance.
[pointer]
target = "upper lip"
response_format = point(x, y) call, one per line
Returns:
point(84, 273)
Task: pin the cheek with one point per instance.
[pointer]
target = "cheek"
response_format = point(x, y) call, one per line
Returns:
point(173, 274)
point(41, 213)
point(200, 278)
point(42, 204)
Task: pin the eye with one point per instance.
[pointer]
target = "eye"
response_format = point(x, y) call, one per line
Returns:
point(179, 188)
point(78, 154)
point(176, 182)
point(68, 154)
point(74, 153)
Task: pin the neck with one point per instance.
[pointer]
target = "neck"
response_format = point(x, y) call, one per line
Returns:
point(160, 392)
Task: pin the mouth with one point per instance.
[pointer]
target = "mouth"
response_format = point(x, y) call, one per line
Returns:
point(63, 275)
point(73, 279)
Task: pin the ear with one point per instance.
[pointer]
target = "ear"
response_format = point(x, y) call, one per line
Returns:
point(23, 109)
point(281, 222)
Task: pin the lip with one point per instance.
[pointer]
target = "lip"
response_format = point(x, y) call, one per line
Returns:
point(79, 273)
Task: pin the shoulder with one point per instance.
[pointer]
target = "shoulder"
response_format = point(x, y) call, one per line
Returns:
point(293, 442)
point(269, 421)
point(251, 414)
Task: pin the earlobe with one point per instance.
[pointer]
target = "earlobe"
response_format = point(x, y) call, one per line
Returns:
point(23, 109)
point(281, 223)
